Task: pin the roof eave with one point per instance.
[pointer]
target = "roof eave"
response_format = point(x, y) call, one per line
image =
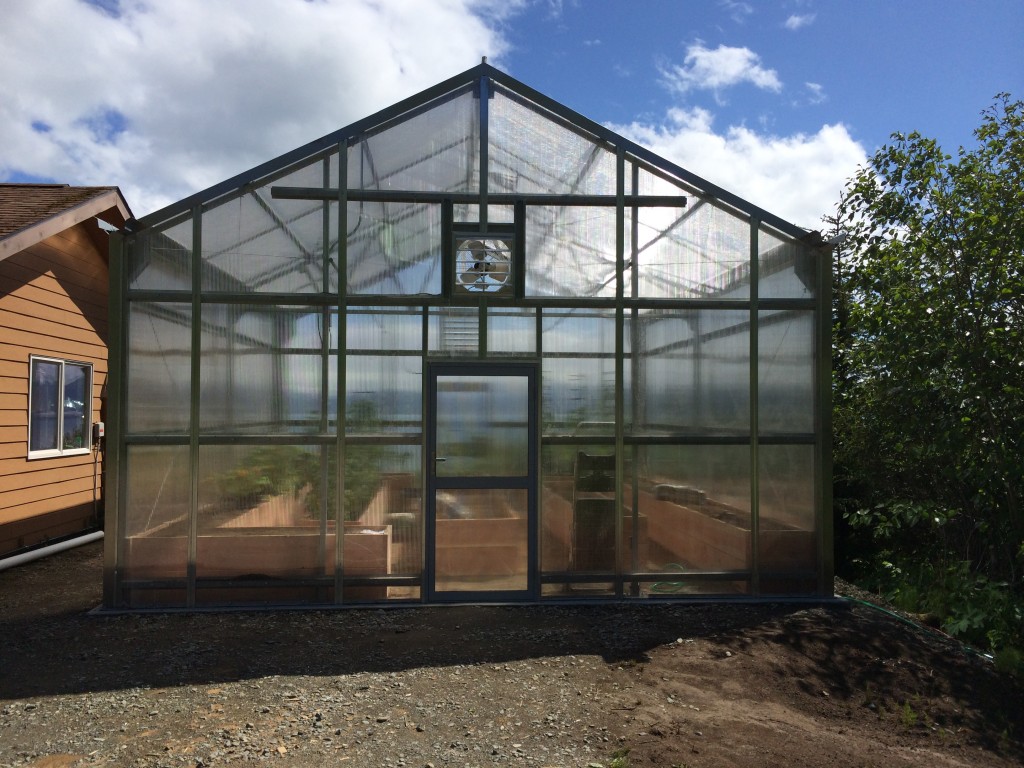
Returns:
point(110, 204)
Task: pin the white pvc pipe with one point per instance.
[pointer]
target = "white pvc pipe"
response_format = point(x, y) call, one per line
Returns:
point(36, 554)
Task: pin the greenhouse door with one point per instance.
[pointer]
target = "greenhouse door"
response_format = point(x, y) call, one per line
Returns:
point(481, 482)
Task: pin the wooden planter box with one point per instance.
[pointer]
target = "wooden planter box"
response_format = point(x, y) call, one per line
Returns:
point(718, 539)
point(263, 554)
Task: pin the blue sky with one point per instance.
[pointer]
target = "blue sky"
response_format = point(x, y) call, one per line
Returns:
point(878, 67)
point(779, 102)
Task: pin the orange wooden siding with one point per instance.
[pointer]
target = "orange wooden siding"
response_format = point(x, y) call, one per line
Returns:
point(53, 302)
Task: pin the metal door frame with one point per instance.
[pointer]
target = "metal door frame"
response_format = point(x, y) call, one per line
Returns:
point(530, 482)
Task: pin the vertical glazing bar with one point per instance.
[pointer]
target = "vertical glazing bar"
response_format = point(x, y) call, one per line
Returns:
point(194, 394)
point(426, 460)
point(485, 95)
point(635, 374)
point(114, 458)
point(481, 342)
point(339, 441)
point(325, 372)
point(538, 346)
point(823, 426)
point(755, 468)
point(620, 411)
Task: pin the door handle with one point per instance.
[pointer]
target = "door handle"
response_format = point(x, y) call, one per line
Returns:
point(440, 458)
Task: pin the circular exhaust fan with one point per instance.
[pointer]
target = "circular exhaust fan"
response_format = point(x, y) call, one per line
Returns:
point(483, 265)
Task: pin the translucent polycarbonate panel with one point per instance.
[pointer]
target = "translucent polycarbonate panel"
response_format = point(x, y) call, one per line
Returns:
point(383, 395)
point(255, 242)
point(691, 371)
point(158, 368)
point(481, 540)
point(699, 251)
point(482, 427)
point(259, 512)
point(394, 249)
point(383, 489)
point(786, 372)
point(787, 269)
point(581, 590)
point(788, 525)
point(511, 331)
point(500, 214)
point(530, 150)
point(684, 586)
point(434, 149)
point(454, 331)
point(156, 512)
point(570, 251)
point(384, 328)
point(578, 365)
point(262, 369)
point(651, 183)
point(562, 541)
point(695, 503)
point(160, 259)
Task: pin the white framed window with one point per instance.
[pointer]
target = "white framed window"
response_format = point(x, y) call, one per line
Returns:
point(59, 407)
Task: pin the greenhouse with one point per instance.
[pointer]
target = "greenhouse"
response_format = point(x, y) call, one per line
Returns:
point(477, 348)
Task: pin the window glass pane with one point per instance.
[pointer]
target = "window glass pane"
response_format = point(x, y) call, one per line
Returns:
point(482, 426)
point(161, 259)
point(383, 498)
point(384, 328)
point(578, 508)
point(45, 406)
point(511, 331)
point(260, 518)
point(383, 395)
point(256, 242)
point(435, 149)
point(785, 345)
point(156, 512)
point(695, 252)
point(786, 269)
point(691, 371)
point(159, 368)
point(394, 249)
point(570, 251)
point(481, 541)
point(77, 406)
point(788, 529)
point(694, 501)
point(555, 160)
point(263, 369)
point(579, 372)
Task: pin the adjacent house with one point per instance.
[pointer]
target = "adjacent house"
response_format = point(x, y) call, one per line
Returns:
point(472, 348)
point(53, 357)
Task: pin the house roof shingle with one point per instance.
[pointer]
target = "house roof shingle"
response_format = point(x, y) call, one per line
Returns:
point(22, 205)
point(31, 212)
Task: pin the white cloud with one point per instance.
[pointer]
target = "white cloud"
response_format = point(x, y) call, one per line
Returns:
point(167, 98)
point(797, 21)
point(815, 93)
point(797, 177)
point(738, 11)
point(707, 69)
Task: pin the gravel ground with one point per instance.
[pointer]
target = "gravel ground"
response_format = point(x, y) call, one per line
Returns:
point(625, 685)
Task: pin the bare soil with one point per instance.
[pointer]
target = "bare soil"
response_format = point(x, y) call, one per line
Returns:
point(696, 685)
